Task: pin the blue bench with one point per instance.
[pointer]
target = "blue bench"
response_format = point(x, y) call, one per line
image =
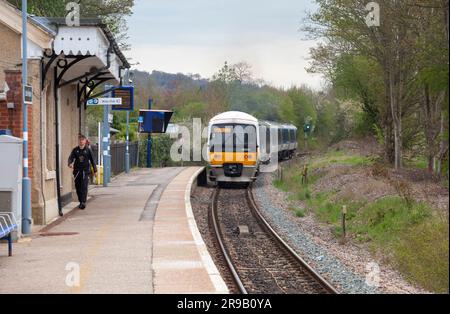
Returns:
point(8, 224)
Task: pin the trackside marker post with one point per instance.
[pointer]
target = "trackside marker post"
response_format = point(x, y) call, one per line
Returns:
point(344, 213)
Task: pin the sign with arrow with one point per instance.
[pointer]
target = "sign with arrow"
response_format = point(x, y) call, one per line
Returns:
point(104, 101)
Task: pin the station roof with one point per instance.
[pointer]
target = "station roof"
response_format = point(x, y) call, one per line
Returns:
point(56, 25)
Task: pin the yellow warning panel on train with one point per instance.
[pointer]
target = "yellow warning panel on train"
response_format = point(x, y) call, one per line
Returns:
point(245, 158)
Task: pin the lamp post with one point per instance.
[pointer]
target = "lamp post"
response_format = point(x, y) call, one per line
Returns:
point(26, 182)
point(106, 144)
point(127, 152)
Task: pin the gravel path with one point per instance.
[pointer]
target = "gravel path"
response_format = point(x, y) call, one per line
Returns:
point(345, 266)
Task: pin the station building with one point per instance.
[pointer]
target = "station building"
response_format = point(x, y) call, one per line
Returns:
point(65, 65)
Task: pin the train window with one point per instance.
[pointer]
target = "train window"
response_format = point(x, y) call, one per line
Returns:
point(233, 138)
point(292, 136)
point(267, 140)
point(285, 136)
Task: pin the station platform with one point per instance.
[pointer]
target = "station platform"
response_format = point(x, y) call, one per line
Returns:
point(138, 235)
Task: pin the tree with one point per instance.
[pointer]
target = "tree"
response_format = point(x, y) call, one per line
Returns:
point(112, 12)
point(243, 72)
point(341, 24)
point(432, 21)
point(226, 74)
point(360, 78)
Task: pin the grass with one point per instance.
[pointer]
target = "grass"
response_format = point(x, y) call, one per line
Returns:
point(388, 218)
point(408, 233)
point(299, 212)
point(414, 241)
point(340, 157)
point(422, 254)
point(279, 184)
point(420, 162)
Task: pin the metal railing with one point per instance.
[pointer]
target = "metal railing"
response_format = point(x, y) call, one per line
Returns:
point(118, 151)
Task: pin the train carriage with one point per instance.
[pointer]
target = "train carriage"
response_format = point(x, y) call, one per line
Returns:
point(233, 146)
point(238, 144)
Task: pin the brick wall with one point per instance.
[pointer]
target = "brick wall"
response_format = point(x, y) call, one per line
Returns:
point(13, 118)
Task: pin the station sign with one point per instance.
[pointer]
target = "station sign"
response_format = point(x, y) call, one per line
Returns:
point(126, 93)
point(104, 101)
point(28, 94)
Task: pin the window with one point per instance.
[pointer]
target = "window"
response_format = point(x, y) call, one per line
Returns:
point(233, 138)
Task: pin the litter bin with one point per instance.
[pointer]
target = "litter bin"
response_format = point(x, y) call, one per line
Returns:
point(100, 173)
point(11, 178)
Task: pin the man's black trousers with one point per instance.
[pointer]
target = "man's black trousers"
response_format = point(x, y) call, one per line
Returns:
point(81, 184)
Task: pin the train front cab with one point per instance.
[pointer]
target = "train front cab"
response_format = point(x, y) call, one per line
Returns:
point(233, 154)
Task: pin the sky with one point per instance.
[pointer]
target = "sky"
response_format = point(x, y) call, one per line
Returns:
point(198, 36)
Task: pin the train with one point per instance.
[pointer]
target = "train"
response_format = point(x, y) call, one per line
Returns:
point(239, 144)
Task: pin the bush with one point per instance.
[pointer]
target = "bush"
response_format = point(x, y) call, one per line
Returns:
point(161, 145)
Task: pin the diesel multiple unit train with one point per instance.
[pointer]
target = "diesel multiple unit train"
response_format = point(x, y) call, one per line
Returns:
point(238, 144)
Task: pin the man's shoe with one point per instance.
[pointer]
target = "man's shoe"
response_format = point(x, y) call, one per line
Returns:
point(61, 213)
point(80, 206)
point(83, 206)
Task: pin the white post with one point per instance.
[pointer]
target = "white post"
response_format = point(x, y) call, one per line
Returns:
point(99, 152)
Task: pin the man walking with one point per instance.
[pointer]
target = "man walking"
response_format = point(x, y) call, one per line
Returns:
point(80, 160)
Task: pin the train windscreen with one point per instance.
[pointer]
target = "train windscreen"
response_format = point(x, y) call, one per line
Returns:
point(233, 138)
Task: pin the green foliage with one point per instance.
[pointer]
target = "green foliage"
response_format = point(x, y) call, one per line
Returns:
point(384, 219)
point(360, 78)
point(54, 8)
point(161, 145)
point(398, 72)
point(379, 134)
point(279, 184)
point(303, 105)
point(299, 213)
point(112, 12)
point(408, 232)
point(339, 157)
point(422, 254)
point(190, 111)
point(261, 102)
point(226, 74)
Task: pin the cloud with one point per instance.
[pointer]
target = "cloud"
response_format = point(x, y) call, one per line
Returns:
point(198, 36)
point(281, 63)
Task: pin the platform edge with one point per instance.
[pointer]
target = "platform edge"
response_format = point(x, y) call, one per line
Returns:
point(213, 272)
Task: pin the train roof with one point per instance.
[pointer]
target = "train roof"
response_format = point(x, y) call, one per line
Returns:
point(234, 115)
point(277, 124)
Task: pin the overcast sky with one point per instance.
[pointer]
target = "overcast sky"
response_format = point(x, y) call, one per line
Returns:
point(198, 36)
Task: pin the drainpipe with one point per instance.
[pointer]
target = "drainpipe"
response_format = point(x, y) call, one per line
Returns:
point(42, 147)
point(58, 179)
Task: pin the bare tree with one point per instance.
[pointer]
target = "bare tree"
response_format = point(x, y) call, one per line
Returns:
point(243, 72)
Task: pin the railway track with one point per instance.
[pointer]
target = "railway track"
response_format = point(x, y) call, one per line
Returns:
point(257, 258)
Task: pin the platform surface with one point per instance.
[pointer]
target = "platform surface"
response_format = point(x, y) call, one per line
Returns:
point(136, 236)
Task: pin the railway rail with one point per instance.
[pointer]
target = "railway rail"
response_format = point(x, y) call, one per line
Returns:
point(259, 260)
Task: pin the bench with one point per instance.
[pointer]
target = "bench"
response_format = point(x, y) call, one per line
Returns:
point(8, 224)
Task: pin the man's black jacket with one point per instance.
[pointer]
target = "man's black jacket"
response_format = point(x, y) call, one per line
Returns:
point(83, 160)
